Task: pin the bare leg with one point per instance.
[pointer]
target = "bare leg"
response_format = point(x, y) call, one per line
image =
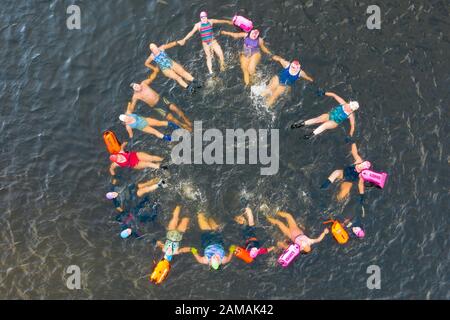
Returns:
point(156, 123)
point(284, 229)
point(170, 73)
point(244, 66)
point(203, 222)
point(344, 191)
point(219, 53)
point(274, 97)
point(214, 226)
point(182, 227)
point(273, 84)
point(249, 213)
point(180, 113)
point(142, 156)
point(294, 229)
point(174, 221)
point(171, 118)
point(146, 164)
point(320, 119)
point(148, 183)
point(207, 49)
point(336, 174)
point(178, 68)
point(325, 126)
point(146, 189)
point(254, 61)
point(153, 131)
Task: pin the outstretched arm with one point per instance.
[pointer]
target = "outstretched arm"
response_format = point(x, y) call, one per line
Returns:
point(160, 244)
point(305, 76)
point(351, 118)
point(355, 154)
point(235, 35)
point(131, 105)
point(184, 250)
point(112, 168)
point(263, 47)
point(129, 130)
point(284, 63)
point(152, 76)
point(221, 21)
point(169, 45)
point(189, 35)
point(336, 97)
point(148, 62)
point(320, 238)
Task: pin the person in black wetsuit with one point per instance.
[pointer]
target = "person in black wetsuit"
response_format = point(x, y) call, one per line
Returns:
point(349, 175)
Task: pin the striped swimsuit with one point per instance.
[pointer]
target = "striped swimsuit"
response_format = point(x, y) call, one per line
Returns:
point(206, 32)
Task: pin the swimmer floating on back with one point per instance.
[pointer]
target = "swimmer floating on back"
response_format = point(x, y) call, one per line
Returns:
point(210, 44)
point(134, 160)
point(252, 244)
point(332, 119)
point(212, 244)
point(170, 68)
point(175, 231)
point(134, 121)
point(251, 53)
point(291, 72)
point(162, 105)
point(294, 233)
point(349, 175)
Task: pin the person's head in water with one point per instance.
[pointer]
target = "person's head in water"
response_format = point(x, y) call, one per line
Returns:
point(126, 119)
point(117, 158)
point(359, 232)
point(112, 195)
point(215, 262)
point(306, 249)
point(366, 165)
point(136, 87)
point(294, 67)
point(126, 233)
point(203, 17)
point(254, 34)
point(154, 49)
point(354, 105)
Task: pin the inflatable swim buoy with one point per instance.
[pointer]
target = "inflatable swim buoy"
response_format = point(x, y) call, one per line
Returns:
point(378, 179)
point(111, 142)
point(289, 255)
point(245, 24)
point(243, 254)
point(160, 272)
point(338, 232)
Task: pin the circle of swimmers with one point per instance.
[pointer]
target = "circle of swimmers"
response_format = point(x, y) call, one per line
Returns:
point(133, 201)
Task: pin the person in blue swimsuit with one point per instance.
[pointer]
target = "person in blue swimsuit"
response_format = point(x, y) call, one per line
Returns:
point(170, 68)
point(134, 121)
point(349, 175)
point(332, 119)
point(286, 79)
point(212, 244)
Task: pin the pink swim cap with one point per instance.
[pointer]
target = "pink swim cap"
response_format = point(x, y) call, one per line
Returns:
point(203, 14)
point(113, 157)
point(366, 165)
point(254, 252)
point(359, 232)
point(295, 63)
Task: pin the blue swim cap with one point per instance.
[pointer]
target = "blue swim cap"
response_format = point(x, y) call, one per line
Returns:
point(124, 234)
point(168, 257)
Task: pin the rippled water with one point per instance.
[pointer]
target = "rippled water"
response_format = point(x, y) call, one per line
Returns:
point(60, 89)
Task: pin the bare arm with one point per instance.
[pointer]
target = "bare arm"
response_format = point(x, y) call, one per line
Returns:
point(361, 188)
point(320, 238)
point(112, 168)
point(190, 34)
point(152, 76)
point(147, 189)
point(235, 35)
point(228, 258)
point(122, 147)
point(169, 45)
point(351, 118)
point(149, 61)
point(160, 244)
point(200, 259)
point(184, 250)
point(213, 21)
point(263, 47)
point(355, 154)
point(129, 130)
point(284, 63)
point(336, 97)
point(305, 76)
point(131, 105)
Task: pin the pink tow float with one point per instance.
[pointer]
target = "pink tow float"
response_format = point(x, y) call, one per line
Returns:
point(243, 23)
point(289, 255)
point(379, 179)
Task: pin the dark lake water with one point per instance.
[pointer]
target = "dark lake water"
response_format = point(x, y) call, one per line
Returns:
point(61, 88)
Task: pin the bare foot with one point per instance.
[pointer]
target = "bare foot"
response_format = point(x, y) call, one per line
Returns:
point(282, 214)
point(222, 67)
point(239, 219)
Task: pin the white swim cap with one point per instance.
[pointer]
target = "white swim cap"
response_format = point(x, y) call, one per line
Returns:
point(123, 117)
point(354, 105)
